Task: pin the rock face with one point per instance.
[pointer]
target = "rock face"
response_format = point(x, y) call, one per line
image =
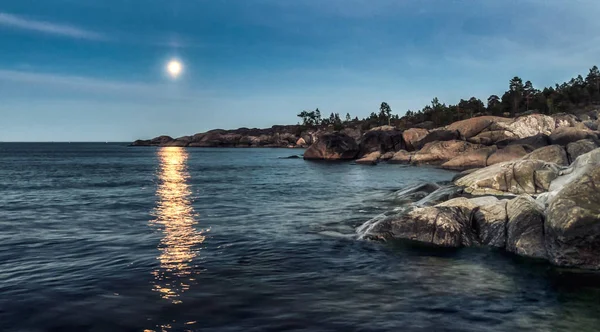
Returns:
point(573, 215)
point(412, 137)
point(437, 135)
point(489, 222)
point(511, 152)
point(513, 177)
point(443, 226)
point(566, 135)
point(468, 160)
point(552, 154)
point(381, 140)
point(525, 228)
point(436, 153)
point(334, 146)
point(581, 147)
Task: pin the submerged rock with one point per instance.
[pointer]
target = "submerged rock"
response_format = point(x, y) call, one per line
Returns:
point(334, 146)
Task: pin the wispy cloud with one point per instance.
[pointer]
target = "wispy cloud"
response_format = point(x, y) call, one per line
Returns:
point(92, 86)
point(58, 29)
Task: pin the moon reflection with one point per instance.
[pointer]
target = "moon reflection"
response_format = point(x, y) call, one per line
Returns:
point(176, 218)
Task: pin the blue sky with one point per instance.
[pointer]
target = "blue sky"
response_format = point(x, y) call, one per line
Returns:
point(93, 70)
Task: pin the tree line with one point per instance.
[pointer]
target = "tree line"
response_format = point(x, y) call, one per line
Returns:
point(578, 93)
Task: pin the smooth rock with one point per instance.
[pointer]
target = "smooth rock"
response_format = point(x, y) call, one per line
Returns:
point(474, 126)
point(382, 141)
point(489, 223)
point(525, 228)
point(581, 147)
point(437, 135)
point(513, 177)
point(511, 152)
point(442, 226)
point(573, 215)
point(472, 159)
point(412, 136)
point(401, 157)
point(441, 152)
point(566, 135)
point(551, 153)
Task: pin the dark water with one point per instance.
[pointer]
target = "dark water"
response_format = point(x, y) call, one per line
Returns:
point(104, 237)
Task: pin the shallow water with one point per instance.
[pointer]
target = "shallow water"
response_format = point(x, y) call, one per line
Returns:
point(105, 237)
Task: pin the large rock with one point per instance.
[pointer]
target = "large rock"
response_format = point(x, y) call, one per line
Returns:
point(412, 136)
point(573, 215)
point(472, 159)
point(491, 137)
point(525, 228)
point(513, 177)
point(566, 135)
point(511, 152)
point(581, 147)
point(489, 223)
point(437, 136)
point(382, 141)
point(474, 126)
point(334, 146)
point(535, 142)
point(440, 152)
point(565, 120)
point(529, 125)
point(440, 225)
point(551, 153)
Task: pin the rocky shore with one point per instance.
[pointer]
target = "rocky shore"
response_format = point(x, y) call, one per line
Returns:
point(529, 185)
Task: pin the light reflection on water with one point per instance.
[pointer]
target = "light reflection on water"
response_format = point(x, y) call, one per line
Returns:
point(176, 218)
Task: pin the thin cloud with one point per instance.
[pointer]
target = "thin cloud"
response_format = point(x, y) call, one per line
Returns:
point(58, 29)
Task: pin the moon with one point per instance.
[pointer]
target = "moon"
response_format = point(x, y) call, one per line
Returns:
point(174, 68)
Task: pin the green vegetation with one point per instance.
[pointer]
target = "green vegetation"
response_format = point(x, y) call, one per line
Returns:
point(577, 94)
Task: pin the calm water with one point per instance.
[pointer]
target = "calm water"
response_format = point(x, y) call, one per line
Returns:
point(105, 237)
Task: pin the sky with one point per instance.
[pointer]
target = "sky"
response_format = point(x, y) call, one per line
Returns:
point(94, 70)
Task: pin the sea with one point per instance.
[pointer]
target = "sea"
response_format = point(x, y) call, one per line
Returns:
point(108, 237)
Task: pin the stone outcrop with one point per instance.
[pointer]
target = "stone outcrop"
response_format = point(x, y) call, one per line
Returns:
point(437, 135)
point(401, 157)
point(381, 140)
point(369, 159)
point(525, 228)
point(334, 146)
point(509, 153)
point(473, 159)
point(552, 153)
point(566, 135)
point(436, 153)
point(412, 137)
point(513, 177)
point(581, 147)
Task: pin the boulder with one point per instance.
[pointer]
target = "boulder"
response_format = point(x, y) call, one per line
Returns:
point(525, 228)
point(440, 225)
point(412, 136)
point(401, 157)
point(566, 135)
point(572, 229)
point(489, 223)
point(440, 152)
point(382, 141)
point(591, 124)
point(551, 153)
point(429, 125)
point(472, 159)
point(437, 136)
point(370, 159)
point(511, 152)
point(581, 147)
point(333, 146)
point(513, 177)
point(491, 137)
point(529, 125)
point(355, 133)
point(535, 142)
point(474, 126)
